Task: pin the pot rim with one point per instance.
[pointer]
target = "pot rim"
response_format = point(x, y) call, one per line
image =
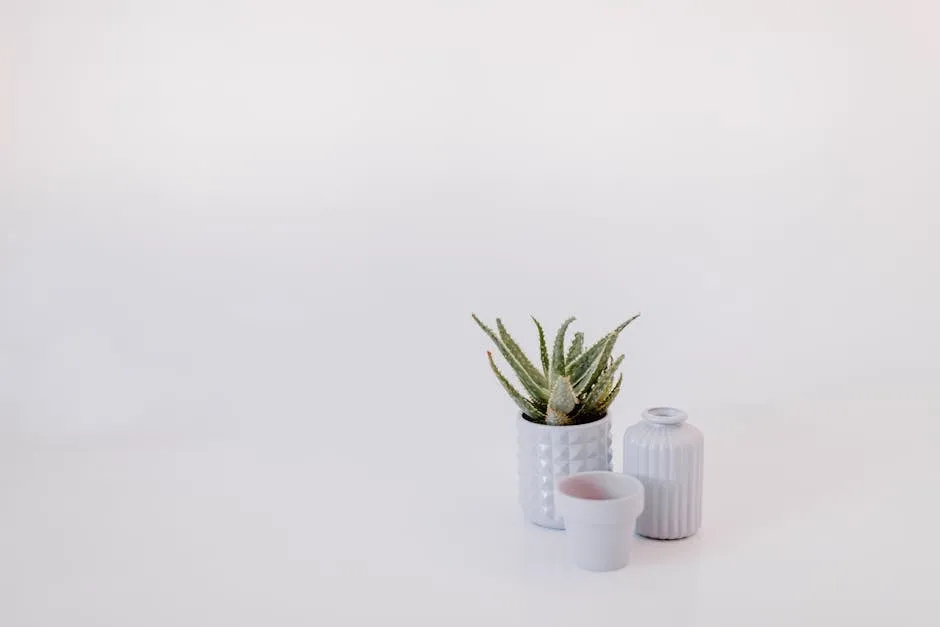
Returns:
point(520, 417)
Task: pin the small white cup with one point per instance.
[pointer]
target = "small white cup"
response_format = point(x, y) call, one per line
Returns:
point(600, 511)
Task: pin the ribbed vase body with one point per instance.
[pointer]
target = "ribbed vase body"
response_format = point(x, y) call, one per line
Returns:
point(667, 456)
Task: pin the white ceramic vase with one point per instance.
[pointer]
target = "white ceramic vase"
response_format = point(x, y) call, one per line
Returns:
point(548, 453)
point(600, 511)
point(666, 454)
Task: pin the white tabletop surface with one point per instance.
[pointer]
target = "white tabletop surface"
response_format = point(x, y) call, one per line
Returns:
point(824, 516)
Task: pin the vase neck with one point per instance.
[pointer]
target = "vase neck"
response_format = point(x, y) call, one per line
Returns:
point(665, 416)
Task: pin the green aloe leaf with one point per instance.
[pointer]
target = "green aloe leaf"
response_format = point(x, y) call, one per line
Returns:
point(611, 395)
point(543, 351)
point(538, 392)
point(577, 345)
point(520, 356)
point(594, 397)
point(561, 402)
point(602, 362)
point(585, 364)
point(562, 398)
point(582, 364)
point(558, 356)
point(610, 383)
point(521, 402)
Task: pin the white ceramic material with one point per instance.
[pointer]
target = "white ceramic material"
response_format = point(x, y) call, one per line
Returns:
point(548, 453)
point(600, 511)
point(666, 454)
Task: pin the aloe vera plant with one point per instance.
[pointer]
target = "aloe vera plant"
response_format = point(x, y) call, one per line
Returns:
point(569, 386)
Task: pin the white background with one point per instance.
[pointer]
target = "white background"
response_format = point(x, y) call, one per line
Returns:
point(240, 243)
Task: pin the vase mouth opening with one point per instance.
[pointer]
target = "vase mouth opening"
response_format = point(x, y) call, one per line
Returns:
point(665, 415)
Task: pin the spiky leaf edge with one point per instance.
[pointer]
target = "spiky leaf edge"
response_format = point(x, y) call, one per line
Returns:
point(605, 404)
point(539, 394)
point(577, 345)
point(577, 369)
point(591, 376)
point(558, 356)
point(590, 405)
point(520, 356)
point(521, 402)
point(543, 350)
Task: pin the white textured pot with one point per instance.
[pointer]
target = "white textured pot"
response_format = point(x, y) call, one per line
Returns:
point(550, 452)
point(667, 456)
point(600, 511)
